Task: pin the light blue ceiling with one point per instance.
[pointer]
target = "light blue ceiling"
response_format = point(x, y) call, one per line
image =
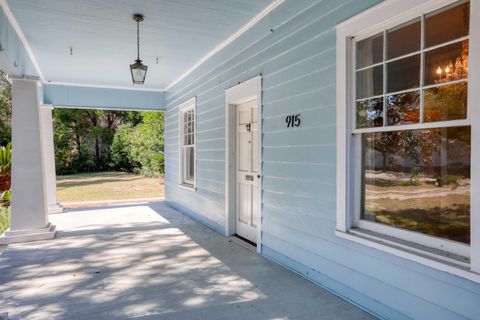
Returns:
point(103, 36)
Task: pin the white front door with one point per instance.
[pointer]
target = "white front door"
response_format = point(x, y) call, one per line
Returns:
point(248, 179)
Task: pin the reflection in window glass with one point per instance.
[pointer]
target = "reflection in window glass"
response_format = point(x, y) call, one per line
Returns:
point(370, 82)
point(447, 25)
point(403, 40)
point(403, 108)
point(190, 164)
point(370, 113)
point(448, 102)
point(447, 63)
point(403, 74)
point(419, 180)
point(369, 51)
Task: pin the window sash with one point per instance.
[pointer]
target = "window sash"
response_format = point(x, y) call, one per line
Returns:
point(416, 237)
point(421, 88)
point(187, 165)
point(187, 143)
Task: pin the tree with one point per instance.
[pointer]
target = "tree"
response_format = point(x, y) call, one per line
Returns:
point(98, 140)
point(140, 148)
point(5, 110)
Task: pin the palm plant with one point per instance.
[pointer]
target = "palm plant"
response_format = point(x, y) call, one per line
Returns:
point(6, 158)
point(6, 196)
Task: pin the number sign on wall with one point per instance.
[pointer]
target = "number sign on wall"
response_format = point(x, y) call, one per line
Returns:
point(293, 121)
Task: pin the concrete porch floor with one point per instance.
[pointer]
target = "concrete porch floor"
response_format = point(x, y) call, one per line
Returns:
point(152, 262)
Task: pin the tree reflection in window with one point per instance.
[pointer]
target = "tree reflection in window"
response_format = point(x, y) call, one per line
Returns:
point(419, 180)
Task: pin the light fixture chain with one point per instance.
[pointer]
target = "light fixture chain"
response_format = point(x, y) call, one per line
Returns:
point(138, 40)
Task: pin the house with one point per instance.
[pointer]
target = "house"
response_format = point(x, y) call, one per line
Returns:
point(340, 138)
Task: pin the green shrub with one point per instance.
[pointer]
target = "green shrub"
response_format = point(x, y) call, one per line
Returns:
point(6, 158)
point(6, 195)
point(121, 149)
point(139, 148)
point(448, 179)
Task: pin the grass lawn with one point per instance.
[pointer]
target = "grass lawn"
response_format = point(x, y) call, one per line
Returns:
point(107, 186)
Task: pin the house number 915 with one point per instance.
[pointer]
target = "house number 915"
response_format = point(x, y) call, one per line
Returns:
point(293, 121)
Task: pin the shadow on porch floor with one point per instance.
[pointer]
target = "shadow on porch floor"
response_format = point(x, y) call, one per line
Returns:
point(152, 262)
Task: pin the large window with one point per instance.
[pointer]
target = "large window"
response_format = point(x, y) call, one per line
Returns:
point(409, 146)
point(187, 143)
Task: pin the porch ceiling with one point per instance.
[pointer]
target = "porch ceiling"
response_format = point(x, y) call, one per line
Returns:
point(103, 36)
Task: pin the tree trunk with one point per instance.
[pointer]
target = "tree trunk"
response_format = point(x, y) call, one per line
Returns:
point(97, 153)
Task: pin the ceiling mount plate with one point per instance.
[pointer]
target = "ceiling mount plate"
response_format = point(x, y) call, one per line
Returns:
point(137, 17)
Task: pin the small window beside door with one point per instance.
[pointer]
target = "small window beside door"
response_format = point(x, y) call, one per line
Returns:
point(187, 122)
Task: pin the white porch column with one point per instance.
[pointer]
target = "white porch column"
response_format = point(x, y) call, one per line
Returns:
point(49, 159)
point(29, 219)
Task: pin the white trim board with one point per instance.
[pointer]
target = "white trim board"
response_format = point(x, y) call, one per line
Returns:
point(243, 92)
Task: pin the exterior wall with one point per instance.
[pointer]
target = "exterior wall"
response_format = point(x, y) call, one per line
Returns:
point(294, 50)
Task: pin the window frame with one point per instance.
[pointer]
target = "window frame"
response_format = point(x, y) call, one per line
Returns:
point(187, 106)
point(384, 16)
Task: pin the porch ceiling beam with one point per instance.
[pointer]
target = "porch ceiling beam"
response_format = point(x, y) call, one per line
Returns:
point(71, 96)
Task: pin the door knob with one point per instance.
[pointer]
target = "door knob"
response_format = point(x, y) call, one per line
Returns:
point(258, 176)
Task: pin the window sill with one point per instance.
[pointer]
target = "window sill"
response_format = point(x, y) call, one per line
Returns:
point(187, 187)
point(440, 262)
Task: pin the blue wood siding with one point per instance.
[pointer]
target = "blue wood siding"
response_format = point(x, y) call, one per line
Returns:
point(294, 50)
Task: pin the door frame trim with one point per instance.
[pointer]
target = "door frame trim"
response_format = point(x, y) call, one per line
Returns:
point(242, 92)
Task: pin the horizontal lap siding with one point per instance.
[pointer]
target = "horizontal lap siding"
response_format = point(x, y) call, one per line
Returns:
point(294, 50)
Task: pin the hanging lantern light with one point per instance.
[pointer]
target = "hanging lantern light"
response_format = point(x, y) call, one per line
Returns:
point(138, 69)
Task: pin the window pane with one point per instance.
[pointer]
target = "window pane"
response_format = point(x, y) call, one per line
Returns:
point(185, 139)
point(448, 102)
point(370, 82)
point(403, 74)
point(190, 164)
point(370, 113)
point(190, 142)
point(419, 180)
point(403, 40)
point(403, 108)
point(369, 51)
point(447, 63)
point(185, 117)
point(447, 25)
point(192, 138)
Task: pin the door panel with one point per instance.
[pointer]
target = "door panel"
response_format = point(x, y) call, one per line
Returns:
point(244, 150)
point(247, 180)
point(244, 207)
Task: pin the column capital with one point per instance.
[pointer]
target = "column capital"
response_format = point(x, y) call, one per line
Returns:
point(47, 106)
point(23, 77)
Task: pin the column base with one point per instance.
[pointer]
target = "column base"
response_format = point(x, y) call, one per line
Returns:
point(18, 236)
point(56, 208)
